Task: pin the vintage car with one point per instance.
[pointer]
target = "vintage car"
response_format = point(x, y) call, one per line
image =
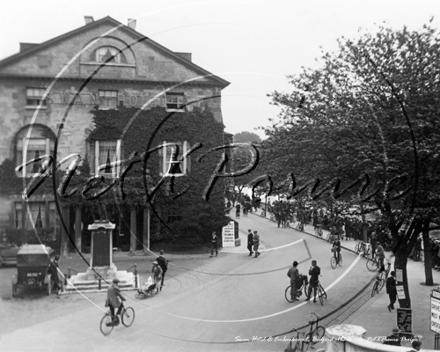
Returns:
point(32, 268)
point(8, 254)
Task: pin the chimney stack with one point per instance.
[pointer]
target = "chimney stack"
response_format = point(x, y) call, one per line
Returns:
point(132, 23)
point(89, 19)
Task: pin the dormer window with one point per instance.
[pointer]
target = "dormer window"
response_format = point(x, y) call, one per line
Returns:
point(104, 53)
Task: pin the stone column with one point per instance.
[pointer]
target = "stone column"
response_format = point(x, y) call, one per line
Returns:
point(133, 230)
point(64, 234)
point(146, 232)
point(78, 228)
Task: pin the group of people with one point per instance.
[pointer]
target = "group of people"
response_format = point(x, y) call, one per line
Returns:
point(253, 243)
point(115, 298)
point(296, 279)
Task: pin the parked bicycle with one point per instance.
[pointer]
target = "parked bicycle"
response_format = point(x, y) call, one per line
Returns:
point(363, 247)
point(298, 343)
point(107, 324)
point(315, 334)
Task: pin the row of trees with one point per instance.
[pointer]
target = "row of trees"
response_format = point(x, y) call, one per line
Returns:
point(370, 114)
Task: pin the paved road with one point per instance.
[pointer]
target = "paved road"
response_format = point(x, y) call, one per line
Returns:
point(209, 305)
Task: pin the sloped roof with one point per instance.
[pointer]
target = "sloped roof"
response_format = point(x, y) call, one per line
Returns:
point(109, 20)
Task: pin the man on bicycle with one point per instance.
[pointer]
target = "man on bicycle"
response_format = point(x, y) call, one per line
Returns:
point(114, 300)
point(337, 249)
point(314, 273)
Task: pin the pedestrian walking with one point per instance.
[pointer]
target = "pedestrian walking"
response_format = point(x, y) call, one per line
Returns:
point(53, 271)
point(214, 244)
point(391, 290)
point(314, 273)
point(163, 263)
point(157, 271)
point(250, 242)
point(256, 241)
point(293, 273)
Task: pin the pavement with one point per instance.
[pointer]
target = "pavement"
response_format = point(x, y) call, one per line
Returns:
point(372, 312)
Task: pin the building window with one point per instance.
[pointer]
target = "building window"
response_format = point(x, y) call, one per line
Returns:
point(173, 214)
point(108, 99)
point(36, 215)
point(102, 155)
point(104, 53)
point(169, 155)
point(174, 101)
point(33, 97)
point(31, 145)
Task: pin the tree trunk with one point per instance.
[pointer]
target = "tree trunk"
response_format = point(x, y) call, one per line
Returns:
point(427, 254)
point(133, 230)
point(363, 227)
point(400, 269)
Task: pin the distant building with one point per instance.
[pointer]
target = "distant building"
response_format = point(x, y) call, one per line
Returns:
point(57, 87)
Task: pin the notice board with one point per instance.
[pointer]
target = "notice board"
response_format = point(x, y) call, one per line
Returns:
point(404, 320)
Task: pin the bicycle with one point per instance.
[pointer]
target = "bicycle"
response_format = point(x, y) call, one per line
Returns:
point(315, 334)
point(300, 344)
point(299, 226)
point(361, 246)
point(380, 279)
point(334, 261)
point(107, 324)
point(298, 290)
point(321, 293)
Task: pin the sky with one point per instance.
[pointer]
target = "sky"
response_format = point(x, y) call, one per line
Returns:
point(253, 44)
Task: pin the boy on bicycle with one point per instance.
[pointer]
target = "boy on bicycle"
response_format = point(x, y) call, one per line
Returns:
point(114, 300)
point(380, 257)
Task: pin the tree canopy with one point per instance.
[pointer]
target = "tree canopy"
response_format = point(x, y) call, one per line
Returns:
point(371, 108)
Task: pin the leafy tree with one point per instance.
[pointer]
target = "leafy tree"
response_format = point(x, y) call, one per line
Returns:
point(372, 108)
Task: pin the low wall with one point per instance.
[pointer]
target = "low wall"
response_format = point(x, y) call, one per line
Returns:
point(351, 338)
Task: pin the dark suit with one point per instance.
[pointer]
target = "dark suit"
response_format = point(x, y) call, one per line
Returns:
point(250, 242)
point(163, 263)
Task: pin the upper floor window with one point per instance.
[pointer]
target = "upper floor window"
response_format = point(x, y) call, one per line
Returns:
point(103, 156)
point(32, 143)
point(169, 155)
point(34, 97)
point(108, 99)
point(104, 53)
point(175, 101)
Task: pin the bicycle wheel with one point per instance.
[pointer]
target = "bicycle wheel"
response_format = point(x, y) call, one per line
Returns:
point(313, 337)
point(372, 265)
point(324, 294)
point(333, 262)
point(375, 289)
point(380, 284)
point(106, 324)
point(127, 316)
point(321, 296)
point(287, 295)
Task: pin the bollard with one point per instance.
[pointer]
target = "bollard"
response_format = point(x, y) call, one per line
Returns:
point(99, 283)
point(135, 276)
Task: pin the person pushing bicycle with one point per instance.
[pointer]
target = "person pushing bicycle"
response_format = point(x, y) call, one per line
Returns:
point(114, 300)
point(314, 273)
point(380, 257)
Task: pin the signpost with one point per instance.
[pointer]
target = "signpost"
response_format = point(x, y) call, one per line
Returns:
point(435, 311)
point(230, 236)
point(404, 320)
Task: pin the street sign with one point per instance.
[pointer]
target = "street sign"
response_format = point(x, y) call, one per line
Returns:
point(400, 292)
point(435, 312)
point(404, 320)
point(230, 234)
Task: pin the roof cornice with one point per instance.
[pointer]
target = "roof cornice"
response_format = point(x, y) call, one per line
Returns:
point(116, 23)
